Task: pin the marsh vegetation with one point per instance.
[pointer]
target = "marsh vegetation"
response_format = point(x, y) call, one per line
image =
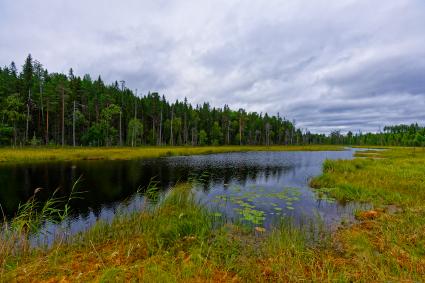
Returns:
point(258, 186)
point(178, 238)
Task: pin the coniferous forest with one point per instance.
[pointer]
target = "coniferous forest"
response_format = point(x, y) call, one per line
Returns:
point(42, 108)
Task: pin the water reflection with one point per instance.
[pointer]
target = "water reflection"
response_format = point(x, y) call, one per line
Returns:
point(111, 185)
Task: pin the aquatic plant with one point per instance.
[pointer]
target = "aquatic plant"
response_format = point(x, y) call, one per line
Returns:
point(246, 202)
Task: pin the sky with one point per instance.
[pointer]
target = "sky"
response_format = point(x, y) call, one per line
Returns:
point(327, 65)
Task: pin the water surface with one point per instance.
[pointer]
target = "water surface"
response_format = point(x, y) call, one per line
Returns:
point(257, 187)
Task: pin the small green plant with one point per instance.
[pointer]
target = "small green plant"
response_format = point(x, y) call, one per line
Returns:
point(34, 141)
point(153, 191)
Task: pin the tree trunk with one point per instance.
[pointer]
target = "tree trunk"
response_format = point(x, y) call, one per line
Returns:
point(14, 134)
point(121, 126)
point(160, 130)
point(240, 130)
point(73, 126)
point(185, 129)
point(42, 109)
point(228, 131)
point(47, 123)
point(171, 128)
point(63, 116)
point(28, 115)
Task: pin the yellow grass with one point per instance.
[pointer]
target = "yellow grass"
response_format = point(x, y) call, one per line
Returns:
point(119, 153)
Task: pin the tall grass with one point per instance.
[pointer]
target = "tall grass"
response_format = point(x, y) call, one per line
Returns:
point(29, 219)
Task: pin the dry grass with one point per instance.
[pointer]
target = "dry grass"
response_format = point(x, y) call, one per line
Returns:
point(29, 154)
point(175, 242)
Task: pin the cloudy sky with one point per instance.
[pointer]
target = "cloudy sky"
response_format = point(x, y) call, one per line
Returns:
point(342, 64)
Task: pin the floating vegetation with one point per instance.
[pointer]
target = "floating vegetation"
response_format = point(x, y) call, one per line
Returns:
point(247, 203)
point(252, 215)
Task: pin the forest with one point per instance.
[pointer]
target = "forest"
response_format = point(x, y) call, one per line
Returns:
point(42, 108)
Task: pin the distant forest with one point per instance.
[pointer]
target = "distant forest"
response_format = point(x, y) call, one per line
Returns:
point(42, 108)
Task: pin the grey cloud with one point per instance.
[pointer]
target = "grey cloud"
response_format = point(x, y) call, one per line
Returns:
point(349, 65)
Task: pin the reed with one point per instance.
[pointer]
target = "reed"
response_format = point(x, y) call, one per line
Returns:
point(29, 220)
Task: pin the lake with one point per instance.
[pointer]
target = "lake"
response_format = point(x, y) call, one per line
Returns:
point(254, 187)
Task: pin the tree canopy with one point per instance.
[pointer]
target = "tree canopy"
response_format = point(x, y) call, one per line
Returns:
point(38, 107)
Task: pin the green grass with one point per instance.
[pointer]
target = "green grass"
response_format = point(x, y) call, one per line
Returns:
point(178, 240)
point(29, 154)
point(391, 177)
point(393, 245)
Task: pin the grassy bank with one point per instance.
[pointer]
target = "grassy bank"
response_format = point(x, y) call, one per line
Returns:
point(29, 154)
point(175, 241)
point(180, 241)
point(392, 245)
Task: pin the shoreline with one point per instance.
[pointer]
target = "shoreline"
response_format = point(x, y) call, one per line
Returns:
point(176, 241)
point(42, 154)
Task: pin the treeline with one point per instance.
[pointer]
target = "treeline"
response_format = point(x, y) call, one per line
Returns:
point(38, 107)
point(42, 108)
point(398, 135)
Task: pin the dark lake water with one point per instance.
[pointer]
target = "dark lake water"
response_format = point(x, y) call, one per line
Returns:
point(257, 187)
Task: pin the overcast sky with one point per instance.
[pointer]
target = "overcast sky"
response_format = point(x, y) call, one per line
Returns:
point(349, 65)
